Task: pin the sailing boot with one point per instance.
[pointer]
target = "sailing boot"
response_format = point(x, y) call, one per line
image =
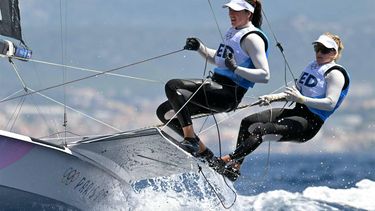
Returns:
point(206, 156)
point(217, 164)
point(191, 145)
point(225, 169)
point(231, 173)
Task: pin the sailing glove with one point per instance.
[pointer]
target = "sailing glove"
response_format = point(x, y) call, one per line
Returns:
point(268, 99)
point(230, 63)
point(294, 95)
point(192, 44)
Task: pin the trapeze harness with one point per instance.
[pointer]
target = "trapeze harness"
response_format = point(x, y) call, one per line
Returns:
point(224, 91)
point(298, 124)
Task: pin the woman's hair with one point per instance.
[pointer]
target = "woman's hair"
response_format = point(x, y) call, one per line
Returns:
point(338, 42)
point(256, 18)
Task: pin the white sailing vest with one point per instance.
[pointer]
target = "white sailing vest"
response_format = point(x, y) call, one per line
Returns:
point(312, 84)
point(232, 45)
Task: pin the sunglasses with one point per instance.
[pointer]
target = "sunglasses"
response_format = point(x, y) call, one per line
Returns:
point(322, 49)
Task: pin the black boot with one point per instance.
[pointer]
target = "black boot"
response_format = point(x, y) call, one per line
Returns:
point(191, 145)
point(206, 156)
point(225, 169)
point(217, 164)
point(231, 173)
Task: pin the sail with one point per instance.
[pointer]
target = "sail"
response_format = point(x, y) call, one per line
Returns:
point(10, 19)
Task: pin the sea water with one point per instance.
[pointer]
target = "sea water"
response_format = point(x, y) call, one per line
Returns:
point(276, 182)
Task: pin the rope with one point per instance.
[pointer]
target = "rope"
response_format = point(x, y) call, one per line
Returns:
point(183, 106)
point(15, 114)
point(63, 55)
point(22, 101)
point(79, 112)
point(92, 70)
point(216, 22)
point(214, 190)
point(278, 44)
point(91, 76)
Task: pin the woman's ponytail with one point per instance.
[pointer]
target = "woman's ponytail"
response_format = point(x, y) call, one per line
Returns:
point(256, 18)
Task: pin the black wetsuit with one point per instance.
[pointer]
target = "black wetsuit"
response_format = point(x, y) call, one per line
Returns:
point(298, 124)
point(221, 93)
point(218, 94)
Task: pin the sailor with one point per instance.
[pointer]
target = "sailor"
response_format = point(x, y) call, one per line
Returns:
point(319, 91)
point(241, 61)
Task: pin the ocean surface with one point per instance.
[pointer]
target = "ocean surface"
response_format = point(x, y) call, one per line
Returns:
point(277, 182)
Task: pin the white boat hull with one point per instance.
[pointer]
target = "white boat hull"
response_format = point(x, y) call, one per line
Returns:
point(92, 174)
point(46, 173)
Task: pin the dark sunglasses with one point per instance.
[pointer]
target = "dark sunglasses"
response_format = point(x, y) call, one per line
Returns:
point(322, 49)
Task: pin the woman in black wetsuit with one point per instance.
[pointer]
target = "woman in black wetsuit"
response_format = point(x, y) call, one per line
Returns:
point(319, 91)
point(241, 61)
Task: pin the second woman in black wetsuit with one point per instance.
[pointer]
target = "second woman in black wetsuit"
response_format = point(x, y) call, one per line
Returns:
point(319, 91)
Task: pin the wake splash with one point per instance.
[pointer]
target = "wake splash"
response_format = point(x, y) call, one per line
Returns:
point(192, 192)
point(189, 191)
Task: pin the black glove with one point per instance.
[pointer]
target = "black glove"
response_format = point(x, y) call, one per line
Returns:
point(192, 44)
point(230, 62)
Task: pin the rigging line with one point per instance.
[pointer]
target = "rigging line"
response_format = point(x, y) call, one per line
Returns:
point(91, 136)
point(13, 94)
point(97, 138)
point(20, 104)
point(91, 70)
point(77, 111)
point(216, 22)
point(216, 193)
point(18, 75)
point(18, 113)
point(220, 154)
point(160, 161)
point(25, 88)
point(45, 138)
point(204, 90)
point(222, 38)
point(40, 112)
point(240, 108)
point(278, 44)
point(15, 113)
point(267, 165)
point(57, 134)
point(63, 55)
point(218, 135)
point(183, 106)
point(92, 76)
point(78, 136)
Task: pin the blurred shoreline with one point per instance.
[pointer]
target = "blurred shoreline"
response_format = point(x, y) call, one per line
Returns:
point(351, 128)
